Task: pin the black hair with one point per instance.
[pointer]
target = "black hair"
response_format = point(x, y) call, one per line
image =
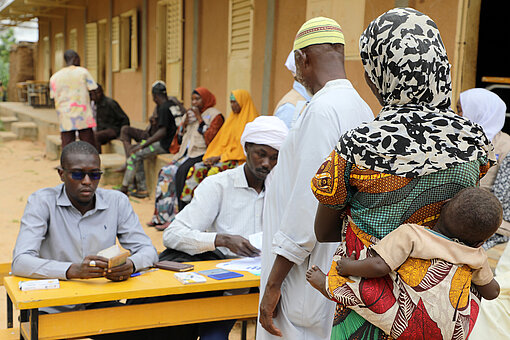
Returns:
point(473, 215)
point(69, 55)
point(77, 147)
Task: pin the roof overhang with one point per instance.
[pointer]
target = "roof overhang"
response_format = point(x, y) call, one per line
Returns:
point(19, 11)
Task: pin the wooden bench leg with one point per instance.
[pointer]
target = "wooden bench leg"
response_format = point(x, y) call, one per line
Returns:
point(10, 322)
point(244, 328)
point(23, 317)
point(34, 324)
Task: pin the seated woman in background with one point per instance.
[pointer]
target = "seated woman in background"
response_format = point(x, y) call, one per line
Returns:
point(225, 151)
point(200, 125)
point(488, 110)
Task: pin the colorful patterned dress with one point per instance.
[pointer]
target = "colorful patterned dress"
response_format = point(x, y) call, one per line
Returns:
point(400, 168)
point(199, 172)
point(377, 203)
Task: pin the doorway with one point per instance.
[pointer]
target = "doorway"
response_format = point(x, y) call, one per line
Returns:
point(492, 55)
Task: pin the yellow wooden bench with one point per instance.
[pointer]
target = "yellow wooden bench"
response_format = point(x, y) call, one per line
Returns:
point(5, 269)
point(129, 317)
point(9, 333)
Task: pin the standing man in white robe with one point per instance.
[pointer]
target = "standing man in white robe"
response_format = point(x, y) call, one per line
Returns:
point(289, 306)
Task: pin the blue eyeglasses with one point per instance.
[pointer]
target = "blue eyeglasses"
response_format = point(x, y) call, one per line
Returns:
point(78, 175)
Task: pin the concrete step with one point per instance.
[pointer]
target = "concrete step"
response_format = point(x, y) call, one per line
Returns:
point(6, 136)
point(53, 147)
point(7, 122)
point(114, 146)
point(109, 163)
point(25, 130)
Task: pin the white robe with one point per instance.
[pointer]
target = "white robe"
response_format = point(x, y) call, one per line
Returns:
point(494, 317)
point(290, 207)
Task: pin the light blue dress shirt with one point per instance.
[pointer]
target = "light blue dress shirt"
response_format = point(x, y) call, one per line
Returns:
point(287, 111)
point(54, 234)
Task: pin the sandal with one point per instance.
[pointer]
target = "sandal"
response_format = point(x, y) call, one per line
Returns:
point(139, 194)
point(161, 227)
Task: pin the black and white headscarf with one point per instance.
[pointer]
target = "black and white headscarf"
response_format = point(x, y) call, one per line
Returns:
point(416, 132)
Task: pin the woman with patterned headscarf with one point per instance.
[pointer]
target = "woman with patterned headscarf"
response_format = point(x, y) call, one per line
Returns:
point(225, 151)
point(399, 169)
point(201, 124)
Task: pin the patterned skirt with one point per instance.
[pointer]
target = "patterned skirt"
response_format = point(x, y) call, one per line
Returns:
point(169, 187)
point(198, 172)
point(165, 206)
point(422, 299)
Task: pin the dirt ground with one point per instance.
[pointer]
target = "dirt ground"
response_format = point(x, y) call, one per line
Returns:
point(24, 169)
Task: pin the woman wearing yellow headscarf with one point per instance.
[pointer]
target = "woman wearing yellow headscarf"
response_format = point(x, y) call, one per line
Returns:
point(225, 150)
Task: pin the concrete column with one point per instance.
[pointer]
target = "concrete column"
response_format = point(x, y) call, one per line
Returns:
point(144, 60)
point(109, 61)
point(268, 57)
point(194, 59)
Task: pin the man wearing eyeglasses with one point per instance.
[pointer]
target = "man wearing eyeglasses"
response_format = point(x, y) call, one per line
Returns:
point(64, 227)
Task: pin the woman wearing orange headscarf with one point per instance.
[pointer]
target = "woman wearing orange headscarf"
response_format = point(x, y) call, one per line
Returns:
point(201, 124)
point(225, 151)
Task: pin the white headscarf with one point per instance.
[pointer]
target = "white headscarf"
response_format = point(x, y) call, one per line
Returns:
point(290, 63)
point(266, 130)
point(484, 108)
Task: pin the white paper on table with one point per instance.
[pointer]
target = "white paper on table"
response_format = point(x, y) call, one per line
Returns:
point(256, 240)
point(247, 264)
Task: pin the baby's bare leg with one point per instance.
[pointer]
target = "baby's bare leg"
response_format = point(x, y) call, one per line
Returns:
point(317, 279)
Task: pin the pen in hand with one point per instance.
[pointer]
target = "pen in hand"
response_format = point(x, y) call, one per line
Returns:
point(143, 272)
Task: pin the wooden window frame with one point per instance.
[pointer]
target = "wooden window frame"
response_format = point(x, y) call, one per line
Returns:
point(128, 40)
point(170, 45)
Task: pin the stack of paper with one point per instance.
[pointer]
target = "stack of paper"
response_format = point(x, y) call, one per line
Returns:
point(247, 264)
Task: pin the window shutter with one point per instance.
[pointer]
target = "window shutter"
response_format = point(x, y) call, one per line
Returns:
point(124, 42)
point(115, 44)
point(241, 26)
point(59, 51)
point(91, 49)
point(174, 37)
point(73, 39)
point(240, 44)
point(174, 31)
point(47, 58)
